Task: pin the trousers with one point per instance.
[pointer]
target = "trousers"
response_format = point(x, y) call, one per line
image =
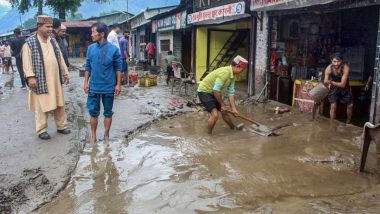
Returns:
point(60, 118)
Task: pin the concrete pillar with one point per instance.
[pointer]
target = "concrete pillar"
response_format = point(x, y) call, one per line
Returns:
point(262, 54)
point(375, 102)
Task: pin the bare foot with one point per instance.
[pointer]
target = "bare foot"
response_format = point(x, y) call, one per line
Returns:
point(93, 140)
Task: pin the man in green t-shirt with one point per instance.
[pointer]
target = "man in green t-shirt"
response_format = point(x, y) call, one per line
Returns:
point(221, 80)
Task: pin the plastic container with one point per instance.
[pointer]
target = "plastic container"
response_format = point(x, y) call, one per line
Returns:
point(148, 81)
point(133, 78)
point(319, 92)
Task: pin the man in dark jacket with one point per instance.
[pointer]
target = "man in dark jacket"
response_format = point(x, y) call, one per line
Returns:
point(57, 35)
point(16, 46)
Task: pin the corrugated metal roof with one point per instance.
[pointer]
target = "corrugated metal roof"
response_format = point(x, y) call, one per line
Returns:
point(79, 24)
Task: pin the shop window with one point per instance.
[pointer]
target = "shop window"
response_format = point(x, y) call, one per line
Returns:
point(165, 45)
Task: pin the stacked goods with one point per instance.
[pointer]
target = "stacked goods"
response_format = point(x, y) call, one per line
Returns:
point(148, 81)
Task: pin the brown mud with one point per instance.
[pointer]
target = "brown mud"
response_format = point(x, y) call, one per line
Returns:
point(173, 166)
point(32, 171)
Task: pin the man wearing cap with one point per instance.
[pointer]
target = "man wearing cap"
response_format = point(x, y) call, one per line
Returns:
point(221, 80)
point(57, 35)
point(64, 45)
point(45, 71)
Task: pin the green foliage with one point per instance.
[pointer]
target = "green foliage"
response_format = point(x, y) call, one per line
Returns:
point(58, 6)
point(65, 5)
point(75, 17)
point(24, 5)
point(30, 23)
point(109, 12)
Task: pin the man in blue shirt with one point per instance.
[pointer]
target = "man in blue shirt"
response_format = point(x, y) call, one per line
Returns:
point(102, 77)
point(124, 55)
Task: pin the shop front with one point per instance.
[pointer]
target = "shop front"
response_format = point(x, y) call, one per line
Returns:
point(222, 30)
point(172, 35)
point(142, 36)
point(78, 35)
point(140, 33)
point(301, 38)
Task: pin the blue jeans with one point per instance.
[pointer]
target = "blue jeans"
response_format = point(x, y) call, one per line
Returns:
point(93, 104)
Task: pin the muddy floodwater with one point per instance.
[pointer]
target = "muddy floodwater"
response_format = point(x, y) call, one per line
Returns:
point(173, 166)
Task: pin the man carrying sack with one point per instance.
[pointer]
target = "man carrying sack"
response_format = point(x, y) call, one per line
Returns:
point(46, 71)
point(221, 80)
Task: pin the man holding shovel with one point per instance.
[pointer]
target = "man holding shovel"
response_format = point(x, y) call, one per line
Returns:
point(221, 80)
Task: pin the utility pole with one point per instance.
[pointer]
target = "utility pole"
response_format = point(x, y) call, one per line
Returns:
point(20, 20)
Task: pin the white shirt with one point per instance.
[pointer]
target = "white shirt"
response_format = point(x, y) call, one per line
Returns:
point(7, 51)
point(113, 39)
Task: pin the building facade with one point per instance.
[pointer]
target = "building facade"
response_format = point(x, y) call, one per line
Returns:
point(222, 30)
point(296, 38)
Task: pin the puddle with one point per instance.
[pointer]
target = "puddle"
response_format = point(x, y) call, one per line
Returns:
point(175, 167)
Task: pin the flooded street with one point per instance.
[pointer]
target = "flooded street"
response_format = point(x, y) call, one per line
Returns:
point(173, 166)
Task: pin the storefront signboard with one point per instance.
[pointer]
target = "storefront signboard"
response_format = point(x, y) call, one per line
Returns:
point(217, 12)
point(173, 22)
point(265, 5)
point(199, 5)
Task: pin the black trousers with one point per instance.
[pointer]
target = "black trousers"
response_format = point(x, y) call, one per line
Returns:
point(170, 73)
point(20, 70)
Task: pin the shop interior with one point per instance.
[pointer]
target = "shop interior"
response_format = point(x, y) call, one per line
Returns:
point(225, 42)
point(300, 49)
point(78, 38)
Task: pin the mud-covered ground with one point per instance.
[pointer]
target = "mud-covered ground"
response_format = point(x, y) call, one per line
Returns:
point(157, 163)
point(33, 171)
point(175, 167)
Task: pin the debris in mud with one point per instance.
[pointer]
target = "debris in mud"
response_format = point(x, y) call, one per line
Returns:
point(279, 110)
point(176, 102)
point(16, 195)
point(338, 162)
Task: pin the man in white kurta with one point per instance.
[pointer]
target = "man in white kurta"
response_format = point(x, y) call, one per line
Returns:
point(53, 100)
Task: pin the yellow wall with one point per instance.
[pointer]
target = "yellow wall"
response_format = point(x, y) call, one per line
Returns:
point(217, 40)
point(201, 52)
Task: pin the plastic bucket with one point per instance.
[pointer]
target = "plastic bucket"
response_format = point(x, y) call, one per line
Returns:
point(319, 92)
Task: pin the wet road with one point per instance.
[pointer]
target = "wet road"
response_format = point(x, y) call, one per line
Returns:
point(175, 167)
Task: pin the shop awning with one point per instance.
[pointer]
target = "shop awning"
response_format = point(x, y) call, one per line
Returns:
point(270, 5)
point(273, 5)
point(79, 24)
point(223, 20)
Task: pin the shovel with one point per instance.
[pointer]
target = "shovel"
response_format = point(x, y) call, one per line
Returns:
point(259, 128)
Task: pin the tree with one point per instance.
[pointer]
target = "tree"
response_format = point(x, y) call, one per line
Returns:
point(109, 12)
point(75, 17)
point(24, 5)
point(62, 6)
point(58, 6)
point(30, 23)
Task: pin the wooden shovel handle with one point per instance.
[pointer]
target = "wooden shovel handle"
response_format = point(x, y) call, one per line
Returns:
point(244, 118)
